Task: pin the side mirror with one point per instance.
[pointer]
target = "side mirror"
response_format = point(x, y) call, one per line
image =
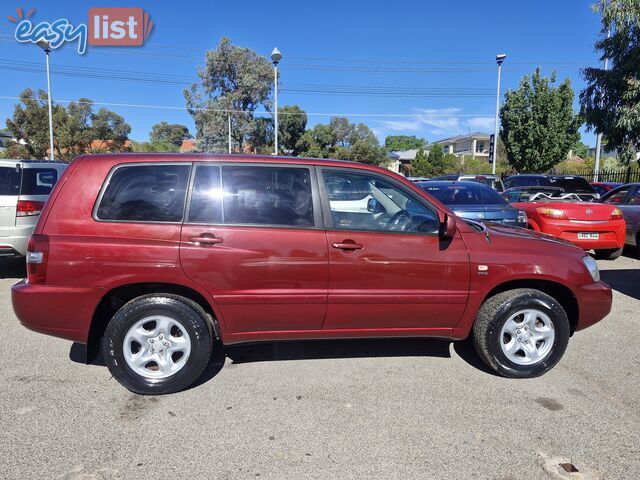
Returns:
point(448, 227)
point(373, 206)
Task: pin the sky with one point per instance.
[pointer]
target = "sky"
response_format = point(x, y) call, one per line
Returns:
point(420, 68)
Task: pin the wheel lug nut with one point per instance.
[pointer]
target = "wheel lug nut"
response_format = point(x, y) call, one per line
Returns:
point(151, 340)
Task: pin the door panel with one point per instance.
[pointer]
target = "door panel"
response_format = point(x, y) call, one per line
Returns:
point(268, 276)
point(388, 268)
point(396, 281)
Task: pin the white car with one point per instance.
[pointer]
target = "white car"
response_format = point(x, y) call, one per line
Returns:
point(25, 186)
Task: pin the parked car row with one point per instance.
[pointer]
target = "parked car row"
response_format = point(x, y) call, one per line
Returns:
point(153, 258)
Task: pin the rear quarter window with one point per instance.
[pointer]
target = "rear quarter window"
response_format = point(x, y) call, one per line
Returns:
point(9, 181)
point(145, 193)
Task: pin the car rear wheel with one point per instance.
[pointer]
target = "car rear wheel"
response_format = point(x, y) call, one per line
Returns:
point(521, 333)
point(608, 254)
point(157, 344)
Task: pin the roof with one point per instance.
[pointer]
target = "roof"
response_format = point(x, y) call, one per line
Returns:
point(458, 138)
point(408, 154)
point(188, 145)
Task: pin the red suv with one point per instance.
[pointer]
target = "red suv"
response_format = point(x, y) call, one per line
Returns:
point(153, 258)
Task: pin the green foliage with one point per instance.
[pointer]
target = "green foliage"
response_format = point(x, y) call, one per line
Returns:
point(342, 140)
point(14, 150)
point(420, 166)
point(75, 127)
point(396, 143)
point(292, 122)
point(169, 133)
point(611, 100)
point(539, 126)
point(581, 149)
point(233, 79)
point(154, 146)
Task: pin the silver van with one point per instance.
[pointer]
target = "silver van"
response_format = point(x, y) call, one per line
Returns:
point(25, 186)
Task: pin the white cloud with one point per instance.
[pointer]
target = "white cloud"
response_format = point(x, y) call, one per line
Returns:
point(485, 124)
point(402, 125)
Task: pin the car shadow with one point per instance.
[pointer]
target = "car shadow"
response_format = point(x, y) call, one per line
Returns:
point(630, 252)
point(13, 268)
point(318, 349)
point(625, 281)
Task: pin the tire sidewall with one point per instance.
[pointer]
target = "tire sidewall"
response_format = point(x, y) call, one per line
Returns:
point(189, 319)
point(561, 328)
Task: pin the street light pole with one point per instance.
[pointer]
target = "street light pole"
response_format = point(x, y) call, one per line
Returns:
point(229, 122)
point(499, 59)
point(47, 50)
point(276, 56)
point(596, 168)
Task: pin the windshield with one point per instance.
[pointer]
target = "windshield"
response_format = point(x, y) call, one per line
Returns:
point(9, 181)
point(573, 184)
point(464, 194)
point(526, 181)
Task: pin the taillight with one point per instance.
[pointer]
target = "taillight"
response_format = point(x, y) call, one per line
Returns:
point(37, 253)
point(616, 214)
point(28, 208)
point(552, 213)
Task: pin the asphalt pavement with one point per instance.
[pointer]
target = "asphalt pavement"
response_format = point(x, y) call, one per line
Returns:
point(381, 409)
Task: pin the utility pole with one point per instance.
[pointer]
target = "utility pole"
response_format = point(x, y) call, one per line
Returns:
point(276, 56)
point(229, 122)
point(499, 59)
point(596, 169)
point(43, 44)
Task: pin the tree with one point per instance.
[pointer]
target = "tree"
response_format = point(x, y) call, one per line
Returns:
point(235, 80)
point(292, 122)
point(173, 133)
point(342, 140)
point(76, 128)
point(154, 146)
point(420, 165)
point(396, 143)
point(439, 163)
point(581, 149)
point(539, 126)
point(611, 100)
point(261, 135)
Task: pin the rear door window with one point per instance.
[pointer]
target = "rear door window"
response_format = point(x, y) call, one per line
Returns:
point(9, 181)
point(618, 197)
point(145, 193)
point(257, 195)
point(38, 181)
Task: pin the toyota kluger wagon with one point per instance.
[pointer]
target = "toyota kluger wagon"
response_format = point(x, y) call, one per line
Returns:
point(155, 258)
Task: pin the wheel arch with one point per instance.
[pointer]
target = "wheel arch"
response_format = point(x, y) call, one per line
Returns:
point(115, 298)
point(558, 291)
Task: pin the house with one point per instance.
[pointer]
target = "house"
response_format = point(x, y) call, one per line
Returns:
point(474, 144)
point(188, 145)
point(400, 162)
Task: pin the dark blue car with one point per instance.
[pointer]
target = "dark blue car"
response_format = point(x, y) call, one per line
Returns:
point(475, 201)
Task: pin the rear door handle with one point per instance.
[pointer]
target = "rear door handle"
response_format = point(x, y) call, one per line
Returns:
point(347, 245)
point(205, 239)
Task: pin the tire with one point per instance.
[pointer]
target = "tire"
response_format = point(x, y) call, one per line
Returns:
point(609, 254)
point(172, 322)
point(504, 310)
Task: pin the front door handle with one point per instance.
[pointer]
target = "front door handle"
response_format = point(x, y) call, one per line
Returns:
point(205, 239)
point(347, 245)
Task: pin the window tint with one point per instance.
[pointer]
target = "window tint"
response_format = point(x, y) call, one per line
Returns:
point(525, 181)
point(147, 193)
point(618, 196)
point(635, 197)
point(38, 181)
point(267, 196)
point(364, 202)
point(206, 197)
point(573, 185)
point(9, 181)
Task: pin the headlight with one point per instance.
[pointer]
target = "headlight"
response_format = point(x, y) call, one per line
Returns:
point(592, 266)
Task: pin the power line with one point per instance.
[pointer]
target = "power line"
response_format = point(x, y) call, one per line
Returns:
point(421, 114)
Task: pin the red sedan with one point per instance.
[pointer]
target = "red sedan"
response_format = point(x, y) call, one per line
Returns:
point(591, 226)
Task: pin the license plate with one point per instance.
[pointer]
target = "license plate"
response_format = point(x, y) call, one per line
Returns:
point(588, 235)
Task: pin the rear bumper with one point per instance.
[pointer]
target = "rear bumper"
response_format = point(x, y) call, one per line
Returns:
point(594, 303)
point(611, 234)
point(64, 312)
point(14, 240)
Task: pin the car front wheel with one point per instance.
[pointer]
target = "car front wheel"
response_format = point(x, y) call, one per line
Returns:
point(521, 333)
point(157, 344)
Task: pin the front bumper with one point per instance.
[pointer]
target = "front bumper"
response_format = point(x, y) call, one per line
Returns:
point(594, 303)
point(60, 311)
